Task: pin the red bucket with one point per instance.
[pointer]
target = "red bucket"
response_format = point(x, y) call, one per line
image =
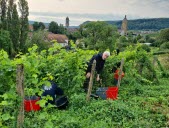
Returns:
point(30, 104)
point(112, 93)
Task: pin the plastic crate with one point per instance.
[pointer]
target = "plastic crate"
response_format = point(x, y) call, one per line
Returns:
point(30, 103)
point(112, 93)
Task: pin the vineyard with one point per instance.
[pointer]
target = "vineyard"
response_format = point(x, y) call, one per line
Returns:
point(143, 96)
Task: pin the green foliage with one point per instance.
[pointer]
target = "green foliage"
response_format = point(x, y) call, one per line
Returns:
point(38, 26)
point(151, 40)
point(17, 27)
point(5, 41)
point(164, 46)
point(53, 27)
point(99, 36)
point(123, 39)
point(138, 97)
point(3, 7)
point(143, 106)
point(164, 72)
point(57, 29)
point(38, 38)
point(61, 29)
point(164, 35)
point(146, 47)
point(24, 25)
point(14, 31)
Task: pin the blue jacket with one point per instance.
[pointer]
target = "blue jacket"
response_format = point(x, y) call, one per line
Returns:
point(52, 91)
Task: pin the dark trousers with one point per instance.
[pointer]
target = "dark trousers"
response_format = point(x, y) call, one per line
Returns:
point(115, 81)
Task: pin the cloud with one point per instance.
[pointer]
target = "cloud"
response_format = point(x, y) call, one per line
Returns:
point(81, 10)
point(75, 18)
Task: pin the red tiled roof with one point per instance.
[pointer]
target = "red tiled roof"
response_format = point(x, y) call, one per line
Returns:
point(31, 27)
point(59, 37)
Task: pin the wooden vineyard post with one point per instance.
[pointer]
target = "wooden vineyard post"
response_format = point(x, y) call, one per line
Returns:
point(91, 81)
point(120, 72)
point(20, 91)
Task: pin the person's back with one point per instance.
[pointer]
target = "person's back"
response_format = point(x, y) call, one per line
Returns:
point(52, 91)
point(99, 63)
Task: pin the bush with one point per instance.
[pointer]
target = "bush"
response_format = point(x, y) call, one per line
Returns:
point(145, 47)
point(156, 43)
point(164, 46)
point(151, 40)
point(141, 41)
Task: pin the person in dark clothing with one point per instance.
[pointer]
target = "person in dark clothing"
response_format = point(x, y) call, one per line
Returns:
point(100, 61)
point(52, 91)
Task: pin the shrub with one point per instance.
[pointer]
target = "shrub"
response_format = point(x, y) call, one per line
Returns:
point(164, 46)
point(145, 47)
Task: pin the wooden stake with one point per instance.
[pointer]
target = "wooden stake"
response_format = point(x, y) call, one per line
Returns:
point(20, 91)
point(120, 72)
point(91, 81)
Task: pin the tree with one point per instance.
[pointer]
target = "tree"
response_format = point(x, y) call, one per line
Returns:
point(123, 39)
point(164, 46)
point(5, 41)
point(147, 37)
point(24, 25)
point(38, 38)
point(3, 8)
point(100, 35)
point(164, 35)
point(9, 15)
point(38, 26)
point(15, 29)
point(35, 26)
point(61, 29)
point(53, 27)
point(41, 25)
point(138, 37)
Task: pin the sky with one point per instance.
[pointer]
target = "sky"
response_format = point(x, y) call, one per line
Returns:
point(80, 11)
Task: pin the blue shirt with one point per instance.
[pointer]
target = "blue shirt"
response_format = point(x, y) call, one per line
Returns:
point(52, 91)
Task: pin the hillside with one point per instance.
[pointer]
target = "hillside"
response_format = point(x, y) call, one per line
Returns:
point(47, 24)
point(143, 24)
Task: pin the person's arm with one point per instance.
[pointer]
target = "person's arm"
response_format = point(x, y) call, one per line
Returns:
point(98, 77)
point(90, 64)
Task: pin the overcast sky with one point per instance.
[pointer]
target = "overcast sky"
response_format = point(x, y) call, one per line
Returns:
point(79, 11)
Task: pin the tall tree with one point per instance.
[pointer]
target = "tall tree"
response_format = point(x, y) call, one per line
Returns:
point(9, 14)
point(15, 29)
point(24, 25)
point(53, 27)
point(3, 10)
